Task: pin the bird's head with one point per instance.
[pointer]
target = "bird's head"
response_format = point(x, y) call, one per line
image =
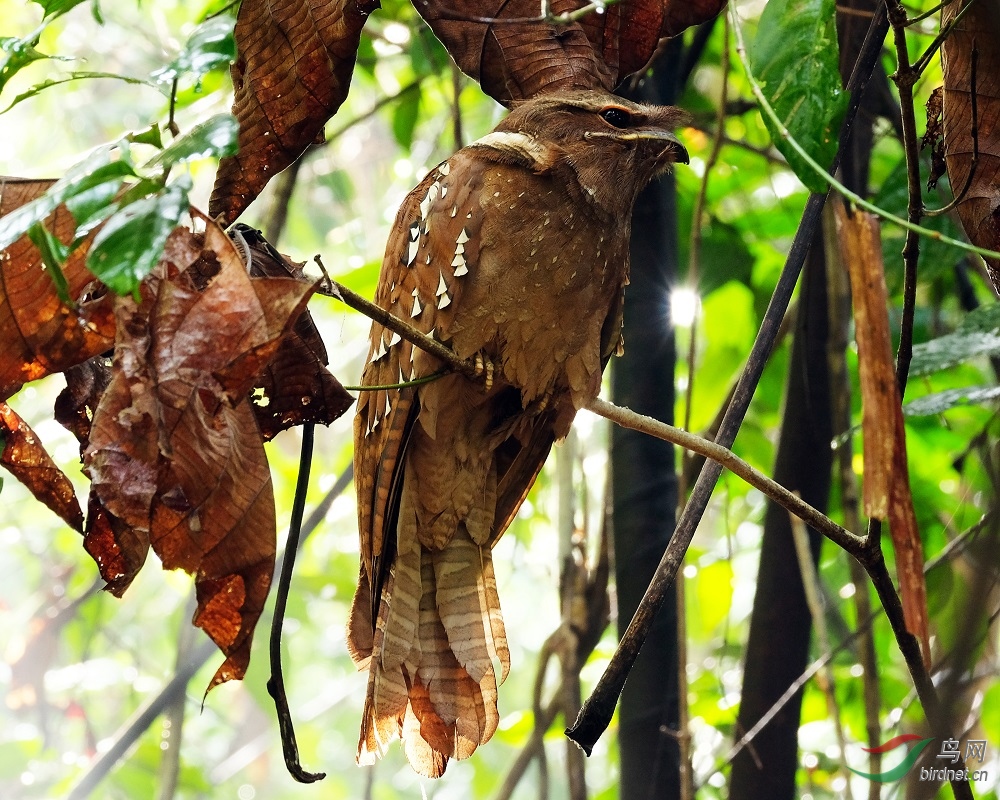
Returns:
point(611, 146)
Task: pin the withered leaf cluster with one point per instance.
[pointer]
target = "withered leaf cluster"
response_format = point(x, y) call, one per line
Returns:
point(158, 393)
point(295, 59)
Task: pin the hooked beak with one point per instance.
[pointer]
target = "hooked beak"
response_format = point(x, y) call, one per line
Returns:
point(678, 152)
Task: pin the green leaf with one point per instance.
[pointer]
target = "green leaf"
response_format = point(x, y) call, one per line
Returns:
point(150, 135)
point(17, 54)
point(54, 255)
point(939, 402)
point(404, 118)
point(794, 56)
point(977, 336)
point(211, 46)
point(131, 242)
point(213, 138)
point(90, 185)
point(55, 8)
point(73, 76)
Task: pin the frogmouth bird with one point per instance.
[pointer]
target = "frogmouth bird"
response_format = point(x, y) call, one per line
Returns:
point(514, 252)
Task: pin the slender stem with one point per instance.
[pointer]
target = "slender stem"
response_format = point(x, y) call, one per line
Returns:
point(726, 458)
point(905, 77)
point(824, 678)
point(276, 683)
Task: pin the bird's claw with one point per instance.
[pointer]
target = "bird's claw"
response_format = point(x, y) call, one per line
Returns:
point(485, 370)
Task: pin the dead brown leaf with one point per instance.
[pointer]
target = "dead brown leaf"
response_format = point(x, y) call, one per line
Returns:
point(41, 334)
point(292, 72)
point(517, 60)
point(27, 460)
point(175, 455)
point(886, 478)
point(296, 386)
point(979, 209)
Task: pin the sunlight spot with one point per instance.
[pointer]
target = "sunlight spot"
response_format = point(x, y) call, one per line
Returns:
point(246, 792)
point(847, 590)
point(810, 761)
point(397, 33)
point(690, 571)
point(785, 184)
point(718, 780)
point(403, 168)
point(948, 485)
point(838, 784)
point(684, 305)
point(27, 778)
point(857, 670)
point(697, 166)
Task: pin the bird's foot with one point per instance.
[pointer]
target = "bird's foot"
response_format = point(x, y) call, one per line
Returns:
point(485, 369)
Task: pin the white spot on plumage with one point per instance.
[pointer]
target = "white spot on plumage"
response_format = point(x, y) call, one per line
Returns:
point(442, 286)
point(416, 307)
point(463, 237)
point(461, 269)
point(395, 339)
point(458, 261)
point(428, 259)
point(444, 191)
point(460, 249)
point(445, 168)
point(454, 211)
point(379, 351)
point(414, 231)
point(444, 301)
point(411, 256)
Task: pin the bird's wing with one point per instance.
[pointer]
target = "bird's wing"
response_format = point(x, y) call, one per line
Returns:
point(432, 247)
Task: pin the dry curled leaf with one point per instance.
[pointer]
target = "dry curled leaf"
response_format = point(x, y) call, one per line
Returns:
point(41, 334)
point(175, 457)
point(27, 460)
point(296, 386)
point(76, 404)
point(934, 137)
point(886, 478)
point(976, 37)
point(292, 72)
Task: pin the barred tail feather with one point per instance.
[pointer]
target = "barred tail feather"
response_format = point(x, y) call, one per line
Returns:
point(438, 643)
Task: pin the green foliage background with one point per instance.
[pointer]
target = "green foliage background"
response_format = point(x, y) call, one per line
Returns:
point(72, 681)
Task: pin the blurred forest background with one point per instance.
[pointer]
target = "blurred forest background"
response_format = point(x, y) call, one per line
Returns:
point(85, 674)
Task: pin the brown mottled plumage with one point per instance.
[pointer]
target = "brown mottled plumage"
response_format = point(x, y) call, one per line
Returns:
point(514, 249)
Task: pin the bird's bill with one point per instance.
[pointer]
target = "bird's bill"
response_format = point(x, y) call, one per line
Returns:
point(678, 151)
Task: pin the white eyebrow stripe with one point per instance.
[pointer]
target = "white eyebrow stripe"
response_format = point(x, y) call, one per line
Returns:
point(518, 143)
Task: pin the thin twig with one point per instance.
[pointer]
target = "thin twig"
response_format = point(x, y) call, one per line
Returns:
point(934, 46)
point(904, 78)
point(276, 683)
point(824, 678)
point(725, 457)
point(173, 714)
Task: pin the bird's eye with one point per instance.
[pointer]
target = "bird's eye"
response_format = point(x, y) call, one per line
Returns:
point(618, 117)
